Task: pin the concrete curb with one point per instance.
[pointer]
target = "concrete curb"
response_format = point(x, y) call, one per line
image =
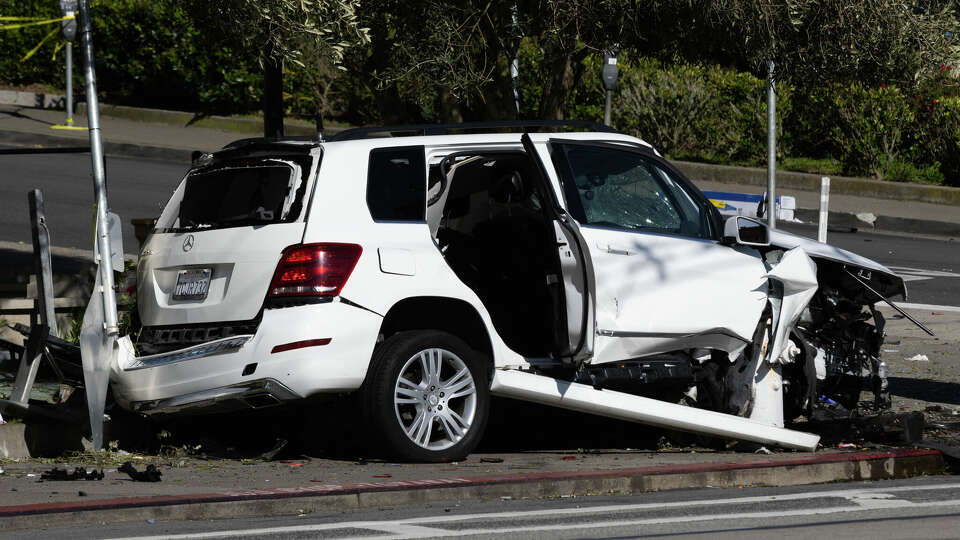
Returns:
point(882, 223)
point(35, 100)
point(114, 149)
point(839, 185)
point(341, 497)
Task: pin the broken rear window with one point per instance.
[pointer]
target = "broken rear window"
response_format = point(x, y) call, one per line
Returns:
point(233, 194)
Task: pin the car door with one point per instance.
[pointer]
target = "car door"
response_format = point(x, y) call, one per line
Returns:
point(664, 282)
point(575, 306)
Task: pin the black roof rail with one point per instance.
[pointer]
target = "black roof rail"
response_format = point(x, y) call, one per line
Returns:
point(269, 140)
point(446, 129)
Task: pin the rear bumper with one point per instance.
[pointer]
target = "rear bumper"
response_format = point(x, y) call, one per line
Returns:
point(258, 394)
point(248, 372)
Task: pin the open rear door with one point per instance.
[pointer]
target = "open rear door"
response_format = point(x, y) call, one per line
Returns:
point(574, 305)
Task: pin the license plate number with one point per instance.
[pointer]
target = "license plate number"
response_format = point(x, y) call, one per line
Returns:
point(192, 284)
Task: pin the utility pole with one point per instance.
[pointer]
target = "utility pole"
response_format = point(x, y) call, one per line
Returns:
point(99, 175)
point(771, 147)
point(608, 76)
point(98, 337)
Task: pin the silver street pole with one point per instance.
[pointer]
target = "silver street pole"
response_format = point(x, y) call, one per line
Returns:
point(606, 109)
point(69, 55)
point(99, 177)
point(771, 148)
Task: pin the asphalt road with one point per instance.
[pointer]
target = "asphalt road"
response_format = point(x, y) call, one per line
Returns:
point(139, 189)
point(917, 508)
point(135, 189)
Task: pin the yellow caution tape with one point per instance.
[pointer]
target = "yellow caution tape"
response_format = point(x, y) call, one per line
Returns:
point(31, 21)
point(42, 41)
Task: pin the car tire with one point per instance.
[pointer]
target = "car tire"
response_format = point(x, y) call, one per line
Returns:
point(427, 396)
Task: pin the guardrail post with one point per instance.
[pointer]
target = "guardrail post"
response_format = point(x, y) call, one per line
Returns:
point(44, 320)
point(824, 208)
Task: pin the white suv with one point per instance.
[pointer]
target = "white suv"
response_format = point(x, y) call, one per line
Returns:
point(422, 269)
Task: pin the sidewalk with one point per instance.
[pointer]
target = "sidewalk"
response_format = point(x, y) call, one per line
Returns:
point(197, 489)
point(860, 203)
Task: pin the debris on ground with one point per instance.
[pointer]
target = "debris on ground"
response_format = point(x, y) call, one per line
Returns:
point(278, 447)
point(491, 460)
point(918, 358)
point(150, 474)
point(762, 450)
point(79, 473)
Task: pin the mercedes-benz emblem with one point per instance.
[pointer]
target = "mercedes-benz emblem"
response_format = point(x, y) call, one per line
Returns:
point(188, 242)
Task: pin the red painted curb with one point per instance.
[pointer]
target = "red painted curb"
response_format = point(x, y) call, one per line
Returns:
point(403, 485)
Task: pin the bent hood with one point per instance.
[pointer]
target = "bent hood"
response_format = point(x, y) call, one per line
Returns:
point(893, 284)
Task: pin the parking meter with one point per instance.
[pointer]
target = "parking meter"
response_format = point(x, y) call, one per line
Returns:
point(68, 28)
point(609, 71)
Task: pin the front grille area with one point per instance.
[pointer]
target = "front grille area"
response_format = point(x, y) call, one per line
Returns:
point(161, 339)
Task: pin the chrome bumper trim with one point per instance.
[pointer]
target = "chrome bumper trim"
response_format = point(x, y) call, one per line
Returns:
point(256, 394)
point(190, 353)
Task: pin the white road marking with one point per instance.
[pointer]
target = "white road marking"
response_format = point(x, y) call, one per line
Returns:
point(919, 274)
point(863, 499)
point(920, 307)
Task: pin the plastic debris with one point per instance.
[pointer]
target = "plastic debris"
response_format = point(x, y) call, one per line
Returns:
point(762, 450)
point(79, 473)
point(278, 447)
point(150, 474)
point(846, 445)
point(918, 358)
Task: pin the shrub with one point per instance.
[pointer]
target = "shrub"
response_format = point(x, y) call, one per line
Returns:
point(870, 129)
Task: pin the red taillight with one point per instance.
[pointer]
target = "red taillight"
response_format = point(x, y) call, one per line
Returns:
point(314, 270)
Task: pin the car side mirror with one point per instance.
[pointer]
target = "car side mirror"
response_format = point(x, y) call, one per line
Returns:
point(745, 231)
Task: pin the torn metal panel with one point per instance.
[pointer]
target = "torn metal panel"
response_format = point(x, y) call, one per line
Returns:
point(579, 397)
point(798, 274)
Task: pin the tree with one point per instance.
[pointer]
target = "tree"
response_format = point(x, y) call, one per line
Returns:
point(452, 57)
point(309, 33)
point(816, 41)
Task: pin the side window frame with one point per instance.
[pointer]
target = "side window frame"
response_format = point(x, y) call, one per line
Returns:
point(566, 175)
point(417, 156)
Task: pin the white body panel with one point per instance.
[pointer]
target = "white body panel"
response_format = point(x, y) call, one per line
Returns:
point(242, 260)
point(656, 292)
point(580, 397)
point(336, 367)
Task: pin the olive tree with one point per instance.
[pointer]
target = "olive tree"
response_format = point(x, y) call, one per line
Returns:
point(312, 34)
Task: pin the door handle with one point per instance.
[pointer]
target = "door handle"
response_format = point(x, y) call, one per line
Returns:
point(614, 249)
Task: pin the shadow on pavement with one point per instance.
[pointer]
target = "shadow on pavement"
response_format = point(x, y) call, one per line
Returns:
point(925, 389)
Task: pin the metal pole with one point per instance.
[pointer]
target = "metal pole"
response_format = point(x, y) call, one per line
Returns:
point(69, 55)
point(99, 177)
point(46, 323)
point(606, 108)
point(771, 148)
point(824, 208)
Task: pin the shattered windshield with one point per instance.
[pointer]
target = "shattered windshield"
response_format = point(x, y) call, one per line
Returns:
point(248, 192)
point(623, 189)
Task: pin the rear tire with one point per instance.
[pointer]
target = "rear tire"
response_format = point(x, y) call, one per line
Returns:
point(427, 396)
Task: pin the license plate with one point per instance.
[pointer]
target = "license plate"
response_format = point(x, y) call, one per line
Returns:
point(192, 284)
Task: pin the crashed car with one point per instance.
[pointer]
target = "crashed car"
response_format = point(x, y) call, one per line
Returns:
point(429, 268)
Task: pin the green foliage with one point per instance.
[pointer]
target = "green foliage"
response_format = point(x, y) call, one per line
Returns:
point(901, 171)
point(148, 52)
point(870, 128)
point(691, 110)
point(834, 40)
